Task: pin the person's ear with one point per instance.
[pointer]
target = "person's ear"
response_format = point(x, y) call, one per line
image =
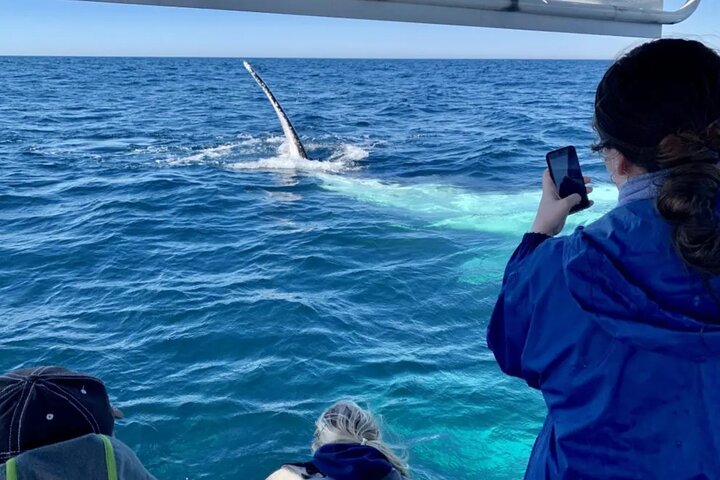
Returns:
point(623, 165)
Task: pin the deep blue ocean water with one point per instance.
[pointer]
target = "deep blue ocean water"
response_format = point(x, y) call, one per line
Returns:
point(155, 233)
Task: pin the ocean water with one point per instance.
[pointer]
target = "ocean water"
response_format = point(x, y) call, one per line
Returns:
point(155, 233)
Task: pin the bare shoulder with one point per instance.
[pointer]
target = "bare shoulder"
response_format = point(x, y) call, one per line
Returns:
point(284, 474)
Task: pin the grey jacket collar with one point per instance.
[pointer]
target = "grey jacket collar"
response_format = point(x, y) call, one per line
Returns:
point(642, 187)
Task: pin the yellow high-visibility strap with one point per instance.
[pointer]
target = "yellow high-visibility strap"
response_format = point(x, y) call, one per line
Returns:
point(11, 469)
point(109, 459)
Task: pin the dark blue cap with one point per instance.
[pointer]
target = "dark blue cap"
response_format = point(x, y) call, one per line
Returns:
point(46, 405)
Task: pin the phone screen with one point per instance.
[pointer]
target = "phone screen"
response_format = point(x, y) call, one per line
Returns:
point(565, 171)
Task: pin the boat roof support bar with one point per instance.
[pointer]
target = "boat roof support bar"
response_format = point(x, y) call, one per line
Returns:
point(634, 18)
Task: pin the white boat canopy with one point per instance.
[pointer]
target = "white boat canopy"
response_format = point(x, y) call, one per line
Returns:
point(634, 18)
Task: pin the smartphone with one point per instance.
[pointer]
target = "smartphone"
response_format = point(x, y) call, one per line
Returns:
point(565, 172)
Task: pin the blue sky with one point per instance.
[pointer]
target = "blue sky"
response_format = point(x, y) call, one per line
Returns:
point(69, 27)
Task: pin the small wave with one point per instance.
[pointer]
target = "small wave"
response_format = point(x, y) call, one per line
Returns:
point(210, 153)
point(150, 149)
point(284, 196)
point(351, 153)
point(247, 144)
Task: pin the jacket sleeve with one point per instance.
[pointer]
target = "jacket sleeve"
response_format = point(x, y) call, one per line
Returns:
point(509, 325)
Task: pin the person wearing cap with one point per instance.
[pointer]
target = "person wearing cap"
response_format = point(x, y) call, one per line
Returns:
point(55, 423)
point(348, 445)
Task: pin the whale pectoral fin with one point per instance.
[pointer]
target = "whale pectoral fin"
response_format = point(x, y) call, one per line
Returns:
point(296, 147)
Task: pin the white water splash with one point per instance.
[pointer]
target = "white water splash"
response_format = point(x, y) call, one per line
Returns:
point(292, 163)
point(345, 157)
point(343, 160)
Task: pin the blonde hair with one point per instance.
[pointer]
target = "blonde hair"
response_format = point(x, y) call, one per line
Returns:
point(347, 422)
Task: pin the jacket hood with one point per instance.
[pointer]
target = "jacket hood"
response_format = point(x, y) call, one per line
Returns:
point(344, 461)
point(624, 272)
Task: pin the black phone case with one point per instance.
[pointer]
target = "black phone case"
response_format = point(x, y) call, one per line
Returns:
point(585, 203)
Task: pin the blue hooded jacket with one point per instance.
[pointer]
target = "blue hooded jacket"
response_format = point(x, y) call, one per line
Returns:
point(623, 340)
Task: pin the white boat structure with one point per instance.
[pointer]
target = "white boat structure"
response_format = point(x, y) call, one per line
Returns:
point(632, 18)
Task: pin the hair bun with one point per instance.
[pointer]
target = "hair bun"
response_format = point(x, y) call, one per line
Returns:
point(694, 189)
point(688, 147)
point(688, 200)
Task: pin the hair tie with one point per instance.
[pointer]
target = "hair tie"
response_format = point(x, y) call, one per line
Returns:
point(364, 441)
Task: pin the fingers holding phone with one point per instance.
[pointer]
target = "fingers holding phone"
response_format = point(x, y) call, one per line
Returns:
point(553, 210)
point(567, 176)
point(560, 200)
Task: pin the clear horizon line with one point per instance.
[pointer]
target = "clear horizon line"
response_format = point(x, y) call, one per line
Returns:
point(220, 57)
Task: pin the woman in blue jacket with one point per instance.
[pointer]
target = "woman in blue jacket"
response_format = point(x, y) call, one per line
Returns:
point(618, 324)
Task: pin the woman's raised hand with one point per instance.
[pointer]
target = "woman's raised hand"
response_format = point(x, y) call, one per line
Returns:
point(553, 210)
